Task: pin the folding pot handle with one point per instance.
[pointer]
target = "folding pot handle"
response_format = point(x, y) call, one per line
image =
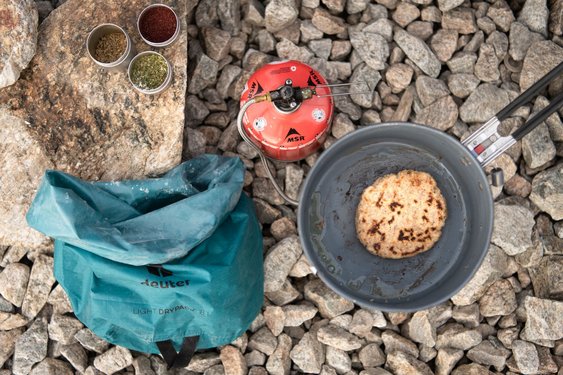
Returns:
point(539, 118)
point(527, 95)
point(486, 144)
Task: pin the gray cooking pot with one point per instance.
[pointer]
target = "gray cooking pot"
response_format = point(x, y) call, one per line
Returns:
point(332, 190)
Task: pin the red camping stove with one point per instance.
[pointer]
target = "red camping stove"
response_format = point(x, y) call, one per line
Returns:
point(286, 110)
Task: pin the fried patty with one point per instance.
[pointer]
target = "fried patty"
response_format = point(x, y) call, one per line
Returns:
point(401, 215)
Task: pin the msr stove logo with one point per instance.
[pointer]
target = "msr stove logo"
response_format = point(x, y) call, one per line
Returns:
point(314, 79)
point(160, 271)
point(255, 89)
point(294, 136)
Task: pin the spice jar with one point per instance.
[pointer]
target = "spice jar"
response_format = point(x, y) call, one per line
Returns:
point(110, 47)
point(158, 25)
point(150, 73)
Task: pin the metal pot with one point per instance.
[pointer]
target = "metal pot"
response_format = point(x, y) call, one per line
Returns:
point(332, 190)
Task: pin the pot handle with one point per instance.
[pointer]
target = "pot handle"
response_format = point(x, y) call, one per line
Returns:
point(486, 144)
point(522, 131)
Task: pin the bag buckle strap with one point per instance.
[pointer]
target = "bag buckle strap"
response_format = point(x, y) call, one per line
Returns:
point(178, 359)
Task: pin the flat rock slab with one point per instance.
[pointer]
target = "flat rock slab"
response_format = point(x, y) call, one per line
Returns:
point(67, 113)
point(18, 38)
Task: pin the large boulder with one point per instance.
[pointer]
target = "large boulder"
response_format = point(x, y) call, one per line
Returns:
point(24, 163)
point(67, 113)
point(18, 38)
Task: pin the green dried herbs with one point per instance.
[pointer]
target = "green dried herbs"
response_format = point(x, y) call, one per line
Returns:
point(110, 47)
point(149, 71)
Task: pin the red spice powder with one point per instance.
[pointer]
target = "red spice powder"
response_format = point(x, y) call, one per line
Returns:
point(158, 24)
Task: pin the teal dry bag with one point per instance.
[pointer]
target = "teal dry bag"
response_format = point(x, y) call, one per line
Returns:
point(164, 265)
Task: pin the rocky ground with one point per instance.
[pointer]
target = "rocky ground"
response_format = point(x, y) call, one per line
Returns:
point(451, 65)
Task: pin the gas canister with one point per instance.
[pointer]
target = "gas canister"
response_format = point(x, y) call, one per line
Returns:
point(291, 117)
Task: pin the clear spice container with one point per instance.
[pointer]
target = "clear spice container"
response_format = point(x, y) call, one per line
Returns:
point(99, 34)
point(149, 72)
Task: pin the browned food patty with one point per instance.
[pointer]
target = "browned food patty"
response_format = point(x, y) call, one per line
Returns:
point(401, 215)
